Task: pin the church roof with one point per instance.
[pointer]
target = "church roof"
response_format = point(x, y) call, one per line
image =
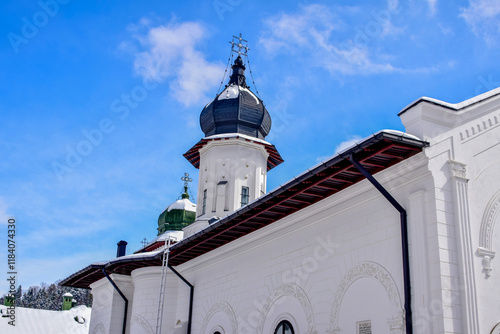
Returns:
point(453, 106)
point(159, 241)
point(182, 204)
point(193, 155)
point(29, 320)
point(236, 109)
point(376, 153)
point(179, 214)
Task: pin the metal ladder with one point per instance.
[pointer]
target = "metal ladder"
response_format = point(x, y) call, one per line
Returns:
point(161, 298)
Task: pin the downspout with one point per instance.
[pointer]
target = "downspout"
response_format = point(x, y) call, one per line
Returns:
point(122, 295)
point(404, 240)
point(191, 292)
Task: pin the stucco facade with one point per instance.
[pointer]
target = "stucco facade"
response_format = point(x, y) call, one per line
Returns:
point(335, 266)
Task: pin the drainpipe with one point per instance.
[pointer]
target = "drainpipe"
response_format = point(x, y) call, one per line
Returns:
point(404, 240)
point(122, 295)
point(191, 292)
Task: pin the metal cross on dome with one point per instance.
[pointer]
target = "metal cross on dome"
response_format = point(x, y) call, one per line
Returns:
point(239, 45)
point(186, 179)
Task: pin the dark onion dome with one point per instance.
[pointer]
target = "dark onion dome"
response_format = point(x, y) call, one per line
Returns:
point(236, 109)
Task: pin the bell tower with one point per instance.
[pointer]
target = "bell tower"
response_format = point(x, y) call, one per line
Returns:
point(233, 158)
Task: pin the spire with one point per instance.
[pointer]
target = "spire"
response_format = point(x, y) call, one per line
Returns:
point(238, 76)
point(186, 179)
point(236, 109)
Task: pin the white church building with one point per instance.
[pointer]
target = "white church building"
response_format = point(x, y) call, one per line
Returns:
point(395, 234)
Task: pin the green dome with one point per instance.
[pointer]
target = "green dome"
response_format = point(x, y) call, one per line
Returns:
point(176, 216)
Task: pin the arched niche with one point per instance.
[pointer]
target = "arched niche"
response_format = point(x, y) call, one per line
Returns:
point(490, 217)
point(287, 302)
point(139, 325)
point(220, 317)
point(369, 292)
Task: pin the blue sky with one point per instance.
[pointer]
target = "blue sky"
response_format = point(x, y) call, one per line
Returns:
point(100, 99)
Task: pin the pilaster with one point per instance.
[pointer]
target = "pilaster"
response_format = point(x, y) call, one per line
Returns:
point(465, 252)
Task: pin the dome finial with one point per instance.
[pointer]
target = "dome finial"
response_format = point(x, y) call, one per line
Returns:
point(238, 76)
point(240, 46)
point(186, 179)
point(236, 109)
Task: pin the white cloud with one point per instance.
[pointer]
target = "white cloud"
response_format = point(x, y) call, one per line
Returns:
point(340, 147)
point(432, 6)
point(348, 143)
point(310, 28)
point(311, 31)
point(483, 17)
point(170, 52)
point(393, 5)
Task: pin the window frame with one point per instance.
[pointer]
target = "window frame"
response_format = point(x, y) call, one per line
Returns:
point(282, 324)
point(245, 196)
point(204, 202)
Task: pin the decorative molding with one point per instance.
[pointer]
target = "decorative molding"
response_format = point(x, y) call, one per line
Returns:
point(291, 290)
point(225, 308)
point(457, 169)
point(496, 329)
point(396, 325)
point(479, 127)
point(138, 319)
point(470, 318)
point(485, 249)
point(375, 271)
point(486, 261)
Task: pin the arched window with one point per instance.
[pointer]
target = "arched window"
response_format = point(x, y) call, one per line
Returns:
point(284, 327)
point(217, 332)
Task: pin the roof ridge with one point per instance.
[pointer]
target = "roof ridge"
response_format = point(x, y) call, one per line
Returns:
point(453, 106)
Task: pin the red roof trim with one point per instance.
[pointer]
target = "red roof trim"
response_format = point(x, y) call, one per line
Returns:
point(193, 155)
point(376, 153)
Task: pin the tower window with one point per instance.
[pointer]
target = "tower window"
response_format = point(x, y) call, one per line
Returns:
point(245, 195)
point(284, 327)
point(204, 203)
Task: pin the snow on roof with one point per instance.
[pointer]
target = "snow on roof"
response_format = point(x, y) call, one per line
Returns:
point(135, 256)
point(182, 204)
point(174, 235)
point(29, 321)
point(251, 94)
point(233, 91)
point(236, 135)
point(126, 257)
point(453, 106)
point(67, 294)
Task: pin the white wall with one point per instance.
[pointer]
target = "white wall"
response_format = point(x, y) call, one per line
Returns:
point(306, 267)
point(464, 158)
point(236, 161)
point(338, 262)
point(108, 306)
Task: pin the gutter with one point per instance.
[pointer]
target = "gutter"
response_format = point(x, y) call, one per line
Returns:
point(191, 293)
point(122, 295)
point(404, 240)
